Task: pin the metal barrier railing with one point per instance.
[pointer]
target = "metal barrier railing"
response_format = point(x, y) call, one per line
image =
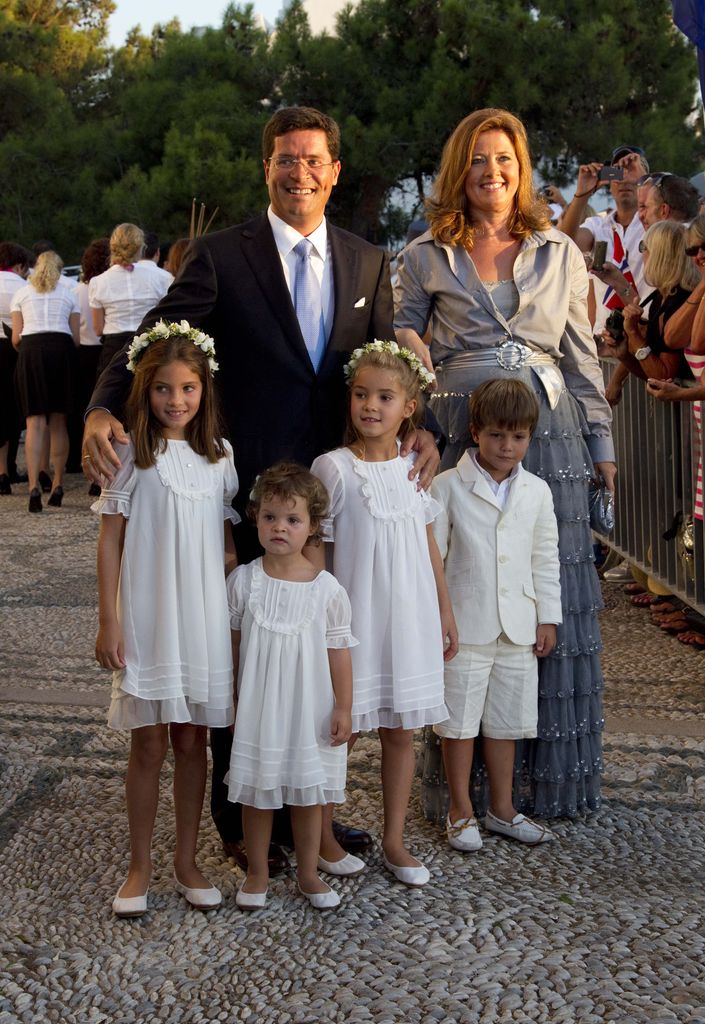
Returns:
point(657, 450)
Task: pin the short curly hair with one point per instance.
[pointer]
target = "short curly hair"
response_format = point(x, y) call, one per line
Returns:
point(287, 481)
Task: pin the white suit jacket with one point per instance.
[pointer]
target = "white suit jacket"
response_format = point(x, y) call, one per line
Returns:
point(502, 567)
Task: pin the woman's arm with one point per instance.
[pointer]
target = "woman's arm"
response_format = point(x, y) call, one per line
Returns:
point(449, 630)
point(679, 327)
point(98, 317)
point(75, 327)
point(109, 649)
point(17, 327)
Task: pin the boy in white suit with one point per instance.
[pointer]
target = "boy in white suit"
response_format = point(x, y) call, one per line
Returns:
point(498, 538)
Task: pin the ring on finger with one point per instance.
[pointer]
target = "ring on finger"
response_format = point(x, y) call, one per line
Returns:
point(86, 458)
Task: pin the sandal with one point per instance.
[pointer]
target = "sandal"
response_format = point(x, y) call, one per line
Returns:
point(692, 638)
point(644, 600)
point(633, 588)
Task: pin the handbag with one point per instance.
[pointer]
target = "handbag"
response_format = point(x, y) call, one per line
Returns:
point(601, 504)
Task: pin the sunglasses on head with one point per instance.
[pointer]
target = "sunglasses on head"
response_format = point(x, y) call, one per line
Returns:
point(693, 250)
point(653, 177)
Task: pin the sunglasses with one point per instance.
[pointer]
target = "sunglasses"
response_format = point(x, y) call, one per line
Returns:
point(653, 178)
point(693, 250)
point(642, 246)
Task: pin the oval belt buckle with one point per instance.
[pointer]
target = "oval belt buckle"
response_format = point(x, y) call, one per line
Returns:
point(511, 355)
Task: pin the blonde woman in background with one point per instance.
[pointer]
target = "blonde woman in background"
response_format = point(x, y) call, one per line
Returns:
point(45, 326)
point(121, 296)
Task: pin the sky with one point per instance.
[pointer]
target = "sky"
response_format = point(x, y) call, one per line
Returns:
point(129, 13)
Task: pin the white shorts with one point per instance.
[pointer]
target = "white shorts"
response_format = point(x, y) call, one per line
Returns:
point(495, 684)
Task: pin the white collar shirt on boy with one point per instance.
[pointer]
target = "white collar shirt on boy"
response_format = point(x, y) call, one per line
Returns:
point(285, 239)
point(500, 489)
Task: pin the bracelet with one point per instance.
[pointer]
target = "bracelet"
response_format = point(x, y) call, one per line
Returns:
point(581, 195)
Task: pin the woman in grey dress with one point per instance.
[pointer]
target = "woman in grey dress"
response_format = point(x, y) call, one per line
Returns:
point(504, 294)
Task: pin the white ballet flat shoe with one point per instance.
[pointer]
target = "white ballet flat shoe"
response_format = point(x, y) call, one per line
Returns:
point(345, 867)
point(201, 899)
point(414, 877)
point(250, 900)
point(322, 900)
point(129, 906)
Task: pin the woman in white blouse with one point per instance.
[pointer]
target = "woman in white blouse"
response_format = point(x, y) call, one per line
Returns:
point(503, 294)
point(121, 296)
point(45, 324)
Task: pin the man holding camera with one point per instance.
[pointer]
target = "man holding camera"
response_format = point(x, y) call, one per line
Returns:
point(621, 230)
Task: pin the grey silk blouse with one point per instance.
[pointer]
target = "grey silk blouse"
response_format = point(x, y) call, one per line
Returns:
point(438, 285)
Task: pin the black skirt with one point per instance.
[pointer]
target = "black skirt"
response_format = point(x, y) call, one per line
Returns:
point(110, 344)
point(45, 375)
point(10, 419)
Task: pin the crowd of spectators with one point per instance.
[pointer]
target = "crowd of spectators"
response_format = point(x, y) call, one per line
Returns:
point(58, 334)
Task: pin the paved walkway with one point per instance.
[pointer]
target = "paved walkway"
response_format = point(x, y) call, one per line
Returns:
point(606, 924)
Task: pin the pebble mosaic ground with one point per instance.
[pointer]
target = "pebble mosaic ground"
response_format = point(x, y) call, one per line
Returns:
point(605, 924)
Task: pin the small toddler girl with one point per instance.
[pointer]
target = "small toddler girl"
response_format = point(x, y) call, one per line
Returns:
point(386, 558)
point(291, 634)
point(163, 622)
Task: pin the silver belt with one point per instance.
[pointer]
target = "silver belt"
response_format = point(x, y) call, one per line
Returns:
point(510, 355)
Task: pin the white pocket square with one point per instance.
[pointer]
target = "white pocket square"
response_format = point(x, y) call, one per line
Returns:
point(360, 302)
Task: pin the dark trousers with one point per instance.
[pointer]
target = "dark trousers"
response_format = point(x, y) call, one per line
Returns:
point(227, 816)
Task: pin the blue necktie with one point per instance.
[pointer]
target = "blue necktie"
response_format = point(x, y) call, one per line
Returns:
point(307, 303)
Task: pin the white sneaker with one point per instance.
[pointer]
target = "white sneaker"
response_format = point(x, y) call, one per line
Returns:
point(521, 828)
point(464, 834)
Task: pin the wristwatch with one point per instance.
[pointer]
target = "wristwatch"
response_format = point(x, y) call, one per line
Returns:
point(642, 353)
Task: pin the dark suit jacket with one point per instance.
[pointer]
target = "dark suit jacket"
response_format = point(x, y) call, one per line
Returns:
point(276, 406)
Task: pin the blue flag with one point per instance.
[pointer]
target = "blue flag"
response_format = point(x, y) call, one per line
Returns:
point(689, 17)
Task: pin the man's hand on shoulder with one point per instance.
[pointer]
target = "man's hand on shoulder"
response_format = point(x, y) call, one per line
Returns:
point(427, 458)
point(98, 458)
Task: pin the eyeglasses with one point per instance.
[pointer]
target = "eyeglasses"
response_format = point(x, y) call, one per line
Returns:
point(642, 246)
point(311, 163)
point(693, 250)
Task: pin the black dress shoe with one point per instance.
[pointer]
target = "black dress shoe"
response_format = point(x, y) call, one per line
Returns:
point(5, 484)
point(44, 481)
point(277, 860)
point(56, 497)
point(35, 500)
point(351, 839)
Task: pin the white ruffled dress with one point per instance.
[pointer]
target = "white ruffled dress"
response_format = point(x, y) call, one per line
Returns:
point(172, 604)
point(281, 750)
point(378, 522)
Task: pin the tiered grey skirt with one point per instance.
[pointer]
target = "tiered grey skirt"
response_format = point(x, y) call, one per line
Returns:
point(557, 774)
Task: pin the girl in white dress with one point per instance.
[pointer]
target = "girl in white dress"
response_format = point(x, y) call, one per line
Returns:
point(291, 634)
point(163, 622)
point(385, 556)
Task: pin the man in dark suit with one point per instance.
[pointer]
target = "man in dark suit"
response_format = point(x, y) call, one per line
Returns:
point(285, 315)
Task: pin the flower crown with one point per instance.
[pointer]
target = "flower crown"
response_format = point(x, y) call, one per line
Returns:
point(392, 349)
point(162, 330)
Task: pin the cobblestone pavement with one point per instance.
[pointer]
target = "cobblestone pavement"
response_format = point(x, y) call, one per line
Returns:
point(605, 924)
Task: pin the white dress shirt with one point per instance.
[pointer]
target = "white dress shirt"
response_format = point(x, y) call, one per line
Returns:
point(87, 334)
point(125, 296)
point(44, 312)
point(285, 239)
point(500, 488)
point(10, 283)
point(602, 230)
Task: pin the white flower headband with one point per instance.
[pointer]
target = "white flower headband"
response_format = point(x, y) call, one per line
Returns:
point(162, 330)
point(392, 349)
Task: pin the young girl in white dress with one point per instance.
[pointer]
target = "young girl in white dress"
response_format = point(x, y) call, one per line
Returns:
point(385, 556)
point(163, 552)
point(291, 634)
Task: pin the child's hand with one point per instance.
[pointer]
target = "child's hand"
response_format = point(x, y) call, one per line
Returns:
point(449, 632)
point(109, 647)
point(340, 727)
point(545, 639)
